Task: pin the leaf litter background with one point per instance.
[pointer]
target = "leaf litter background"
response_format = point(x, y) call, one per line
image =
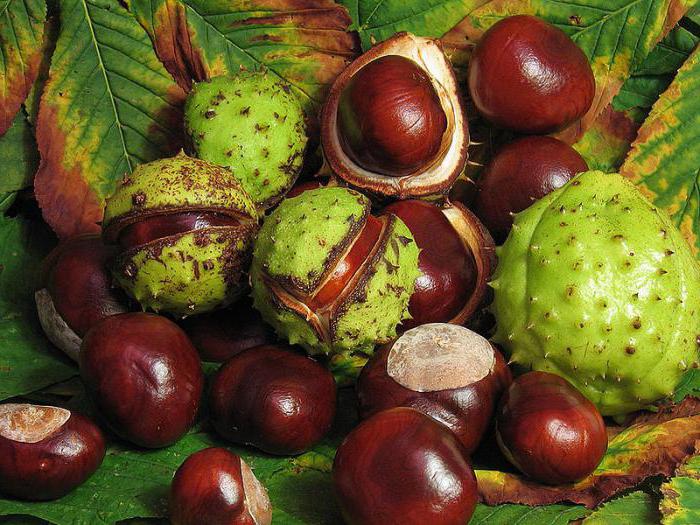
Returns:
point(90, 88)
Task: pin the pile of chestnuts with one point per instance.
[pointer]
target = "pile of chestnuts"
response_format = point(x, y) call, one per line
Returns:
point(375, 281)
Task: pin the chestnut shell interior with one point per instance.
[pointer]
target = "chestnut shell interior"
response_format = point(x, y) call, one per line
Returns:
point(438, 175)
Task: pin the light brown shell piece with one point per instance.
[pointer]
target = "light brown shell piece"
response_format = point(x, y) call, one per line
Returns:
point(25, 423)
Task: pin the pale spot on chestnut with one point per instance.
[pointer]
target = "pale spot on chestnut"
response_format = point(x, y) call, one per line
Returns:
point(25, 423)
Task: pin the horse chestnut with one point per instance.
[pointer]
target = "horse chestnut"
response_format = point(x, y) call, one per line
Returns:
point(549, 430)
point(215, 486)
point(144, 375)
point(400, 466)
point(274, 399)
point(522, 172)
point(529, 76)
point(46, 452)
point(220, 335)
point(78, 291)
point(455, 261)
point(445, 371)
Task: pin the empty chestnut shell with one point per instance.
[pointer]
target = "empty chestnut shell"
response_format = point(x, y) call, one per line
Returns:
point(445, 371)
point(394, 123)
point(46, 452)
point(78, 291)
point(215, 486)
point(529, 76)
point(549, 430)
point(456, 260)
point(144, 375)
point(220, 335)
point(522, 172)
point(274, 399)
point(400, 466)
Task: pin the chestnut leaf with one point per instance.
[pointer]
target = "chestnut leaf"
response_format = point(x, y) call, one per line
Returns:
point(664, 158)
point(635, 508)
point(681, 495)
point(18, 157)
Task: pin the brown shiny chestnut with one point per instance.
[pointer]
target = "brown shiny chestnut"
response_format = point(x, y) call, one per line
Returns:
point(456, 260)
point(274, 399)
point(445, 371)
point(46, 452)
point(77, 292)
point(401, 466)
point(221, 334)
point(144, 375)
point(528, 76)
point(522, 172)
point(549, 430)
point(215, 486)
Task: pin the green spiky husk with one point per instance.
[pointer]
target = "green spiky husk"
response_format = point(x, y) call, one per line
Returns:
point(597, 285)
point(252, 123)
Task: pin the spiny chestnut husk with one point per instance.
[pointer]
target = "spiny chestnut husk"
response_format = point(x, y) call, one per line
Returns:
point(394, 123)
point(77, 292)
point(443, 370)
point(329, 276)
point(186, 228)
point(46, 452)
point(457, 256)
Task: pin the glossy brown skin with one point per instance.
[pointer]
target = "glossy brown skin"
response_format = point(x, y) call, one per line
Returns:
point(448, 270)
point(54, 466)
point(144, 375)
point(390, 119)
point(467, 411)
point(208, 489)
point(549, 430)
point(159, 226)
point(274, 399)
point(301, 187)
point(400, 466)
point(522, 172)
point(80, 285)
point(529, 76)
point(220, 335)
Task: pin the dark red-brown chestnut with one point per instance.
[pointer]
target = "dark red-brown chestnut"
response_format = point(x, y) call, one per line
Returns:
point(445, 371)
point(77, 292)
point(549, 430)
point(46, 452)
point(274, 399)
point(529, 76)
point(522, 172)
point(301, 187)
point(216, 487)
point(400, 466)
point(393, 123)
point(144, 375)
point(456, 260)
point(221, 334)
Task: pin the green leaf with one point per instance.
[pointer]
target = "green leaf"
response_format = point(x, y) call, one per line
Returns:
point(681, 495)
point(19, 157)
point(378, 20)
point(21, 38)
point(636, 508)
point(199, 39)
point(524, 515)
point(108, 105)
point(665, 161)
point(27, 361)
point(688, 386)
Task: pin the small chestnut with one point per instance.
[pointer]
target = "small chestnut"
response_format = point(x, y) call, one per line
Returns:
point(144, 375)
point(549, 430)
point(216, 487)
point(221, 334)
point(46, 452)
point(528, 76)
point(78, 291)
point(445, 371)
point(390, 119)
point(400, 466)
point(455, 261)
point(522, 172)
point(274, 399)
